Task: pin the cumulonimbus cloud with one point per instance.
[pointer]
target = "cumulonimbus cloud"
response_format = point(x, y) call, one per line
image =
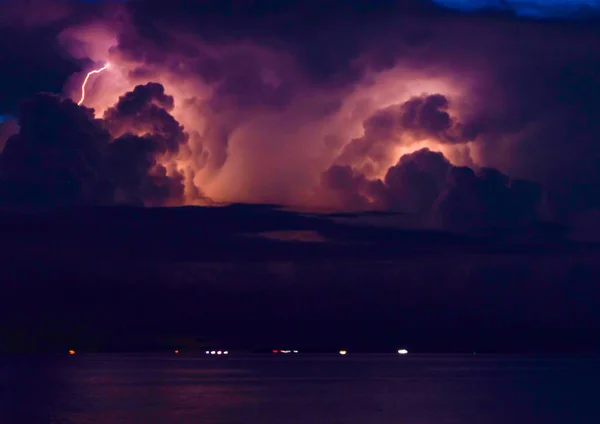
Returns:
point(399, 106)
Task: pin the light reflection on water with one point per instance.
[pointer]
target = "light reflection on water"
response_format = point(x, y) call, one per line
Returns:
point(151, 389)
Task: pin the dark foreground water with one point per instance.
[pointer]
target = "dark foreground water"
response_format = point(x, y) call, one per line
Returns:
point(303, 389)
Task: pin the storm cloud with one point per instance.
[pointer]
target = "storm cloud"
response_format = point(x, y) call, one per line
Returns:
point(462, 120)
point(63, 156)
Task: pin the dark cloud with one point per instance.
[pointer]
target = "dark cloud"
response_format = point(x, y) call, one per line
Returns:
point(131, 160)
point(145, 110)
point(415, 182)
point(486, 198)
point(168, 273)
point(425, 184)
point(426, 115)
point(63, 156)
point(325, 36)
point(245, 83)
point(55, 158)
point(28, 36)
point(32, 53)
point(138, 178)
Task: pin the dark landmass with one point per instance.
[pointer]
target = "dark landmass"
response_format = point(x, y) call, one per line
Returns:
point(258, 277)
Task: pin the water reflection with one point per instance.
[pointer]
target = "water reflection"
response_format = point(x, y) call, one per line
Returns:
point(85, 389)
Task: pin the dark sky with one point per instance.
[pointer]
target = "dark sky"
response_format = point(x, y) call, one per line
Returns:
point(468, 130)
point(540, 9)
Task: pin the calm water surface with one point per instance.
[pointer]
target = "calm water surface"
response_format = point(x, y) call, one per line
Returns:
point(355, 389)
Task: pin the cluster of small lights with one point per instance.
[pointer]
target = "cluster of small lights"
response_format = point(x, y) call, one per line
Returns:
point(225, 352)
point(401, 352)
point(217, 352)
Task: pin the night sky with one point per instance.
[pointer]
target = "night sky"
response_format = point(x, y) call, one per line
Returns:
point(258, 170)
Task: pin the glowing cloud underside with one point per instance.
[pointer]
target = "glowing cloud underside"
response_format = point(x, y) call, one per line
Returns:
point(209, 131)
point(96, 71)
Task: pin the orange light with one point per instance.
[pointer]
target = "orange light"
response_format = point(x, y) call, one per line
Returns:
point(71, 352)
point(176, 352)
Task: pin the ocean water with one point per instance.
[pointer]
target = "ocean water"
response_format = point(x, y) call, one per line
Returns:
point(355, 389)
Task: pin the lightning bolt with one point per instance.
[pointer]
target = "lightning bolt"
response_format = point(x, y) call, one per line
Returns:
point(95, 71)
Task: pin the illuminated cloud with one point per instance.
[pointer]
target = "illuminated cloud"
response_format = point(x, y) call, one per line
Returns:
point(206, 102)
